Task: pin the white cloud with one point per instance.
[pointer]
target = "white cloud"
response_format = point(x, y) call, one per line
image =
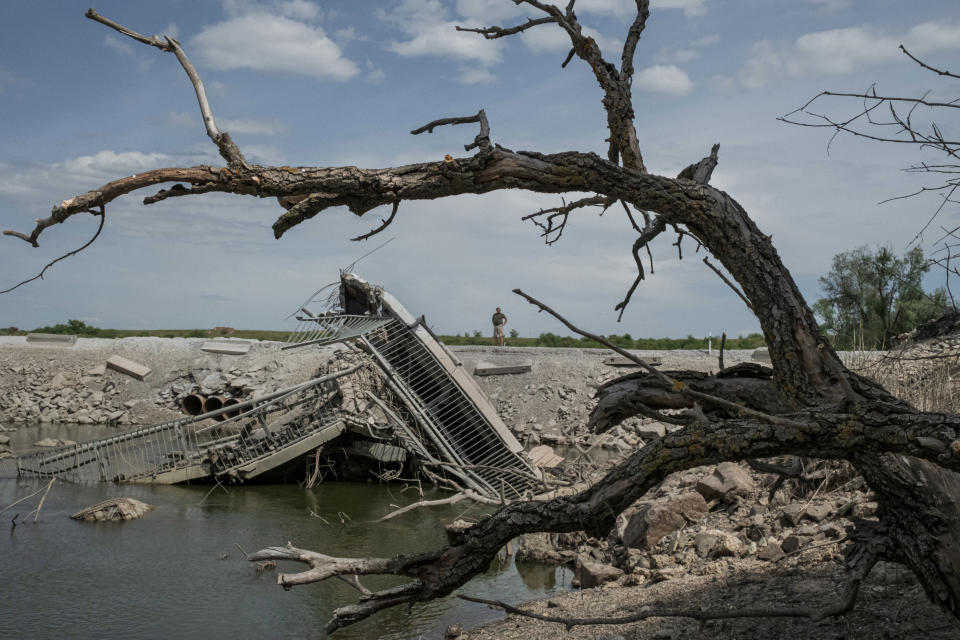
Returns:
point(181, 120)
point(553, 38)
point(690, 7)
point(264, 42)
point(118, 45)
point(664, 78)
point(475, 76)
point(623, 8)
point(839, 51)
point(832, 5)
point(688, 51)
point(76, 174)
point(251, 127)
point(431, 31)
point(244, 126)
point(8, 80)
point(171, 30)
point(299, 9)
point(442, 39)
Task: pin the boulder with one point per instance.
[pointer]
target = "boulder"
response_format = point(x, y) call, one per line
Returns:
point(649, 525)
point(689, 504)
point(793, 542)
point(727, 480)
point(538, 547)
point(771, 553)
point(652, 431)
point(594, 574)
point(818, 512)
point(59, 381)
point(714, 543)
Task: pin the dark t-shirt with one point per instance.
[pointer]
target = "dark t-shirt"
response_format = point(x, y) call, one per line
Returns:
point(499, 318)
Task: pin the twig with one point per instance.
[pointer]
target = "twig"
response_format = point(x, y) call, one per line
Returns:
point(737, 291)
point(33, 241)
point(928, 67)
point(36, 512)
point(11, 505)
point(212, 489)
point(386, 223)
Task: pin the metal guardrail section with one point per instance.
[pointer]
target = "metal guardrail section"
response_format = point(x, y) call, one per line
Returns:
point(259, 435)
point(329, 328)
point(463, 439)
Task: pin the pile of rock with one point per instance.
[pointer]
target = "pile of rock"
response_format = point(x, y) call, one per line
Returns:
point(707, 521)
point(84, 396)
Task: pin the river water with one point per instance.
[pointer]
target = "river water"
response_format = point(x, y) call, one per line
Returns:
point(177, 572)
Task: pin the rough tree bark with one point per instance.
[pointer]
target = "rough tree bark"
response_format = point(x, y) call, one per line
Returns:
point(810, 405)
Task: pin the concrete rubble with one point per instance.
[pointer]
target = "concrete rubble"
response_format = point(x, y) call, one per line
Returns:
point(113, 510)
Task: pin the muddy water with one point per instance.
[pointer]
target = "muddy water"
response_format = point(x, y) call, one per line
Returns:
point(177, 572)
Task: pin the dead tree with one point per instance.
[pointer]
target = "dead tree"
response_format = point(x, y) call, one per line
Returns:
point(811, 405)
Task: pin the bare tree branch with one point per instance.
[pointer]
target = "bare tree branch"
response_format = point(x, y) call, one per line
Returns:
point(941, 72)
point(562, 213)
point(386, 223)
point(228, 149)
point(103, 217)
point(492, 33)
point(483, 138)
point(727, 282)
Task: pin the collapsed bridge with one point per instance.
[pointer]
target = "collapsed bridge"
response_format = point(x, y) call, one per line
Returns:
point(394, 394)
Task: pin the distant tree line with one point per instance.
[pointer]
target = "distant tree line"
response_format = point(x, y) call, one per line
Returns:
point(626, 341)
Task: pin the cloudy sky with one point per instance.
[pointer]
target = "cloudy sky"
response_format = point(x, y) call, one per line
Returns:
point(342, 83)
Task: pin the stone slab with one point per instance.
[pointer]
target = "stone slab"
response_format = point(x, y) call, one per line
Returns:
point(226, 348)
point(620, 361)
point(54, 339)
point(486, 369)
point(128, 367)
point(544, 457)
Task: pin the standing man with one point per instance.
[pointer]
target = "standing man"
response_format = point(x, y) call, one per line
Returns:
point(498, 321)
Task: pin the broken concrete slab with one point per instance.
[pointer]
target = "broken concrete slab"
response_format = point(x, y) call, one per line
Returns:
point(113, 510)
point(53, 442)
point(487, 369)
point(128, 367)
point(544, 457)
point(226, 348)
point(51, 339)
point(620, 361)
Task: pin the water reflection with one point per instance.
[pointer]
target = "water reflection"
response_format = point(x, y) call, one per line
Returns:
point(178, 572)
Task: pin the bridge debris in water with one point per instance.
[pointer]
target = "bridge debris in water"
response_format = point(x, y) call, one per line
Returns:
point(392, 395)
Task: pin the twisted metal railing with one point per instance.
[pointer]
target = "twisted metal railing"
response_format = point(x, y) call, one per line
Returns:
point(255, 436)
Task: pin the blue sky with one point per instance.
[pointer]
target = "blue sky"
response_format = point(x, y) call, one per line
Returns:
point(334, 83)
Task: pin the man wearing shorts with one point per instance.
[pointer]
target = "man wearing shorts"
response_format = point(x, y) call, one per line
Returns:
point(498, 321)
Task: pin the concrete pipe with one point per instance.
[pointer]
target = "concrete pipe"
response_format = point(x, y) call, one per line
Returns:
point(212, 403)
point(192, 404)
point(229, 402)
